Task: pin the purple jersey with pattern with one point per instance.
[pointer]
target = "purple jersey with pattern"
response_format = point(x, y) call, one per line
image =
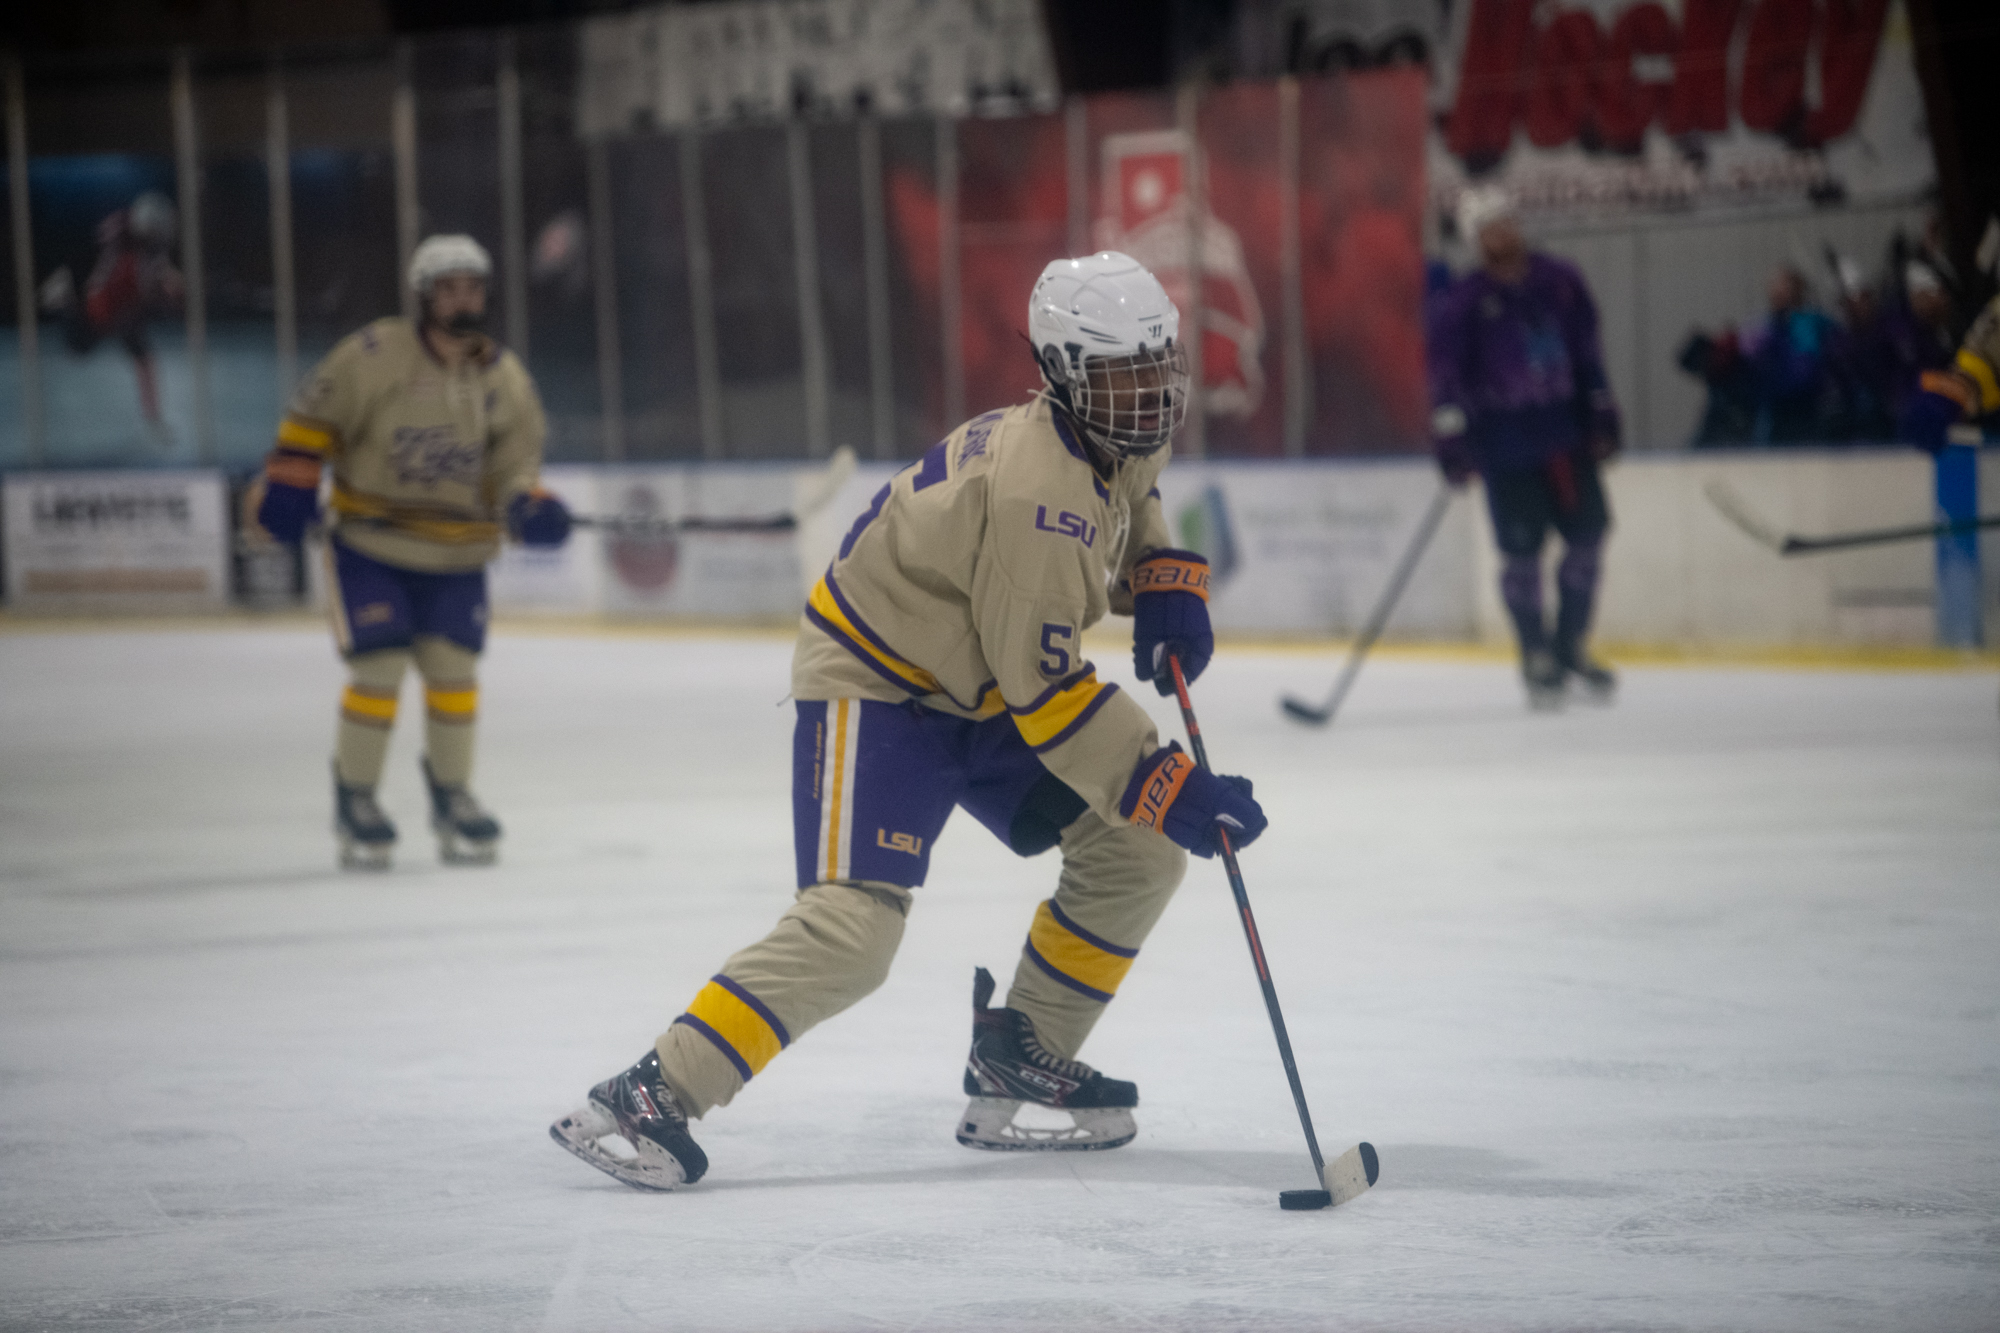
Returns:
point(1522, 361)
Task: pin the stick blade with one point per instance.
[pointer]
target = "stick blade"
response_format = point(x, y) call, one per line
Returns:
point(1732, 507)
point(1300, 711)
point(1349, 1175)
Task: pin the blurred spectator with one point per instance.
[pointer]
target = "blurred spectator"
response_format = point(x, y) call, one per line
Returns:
point(1718, 361)
point(1778, 383)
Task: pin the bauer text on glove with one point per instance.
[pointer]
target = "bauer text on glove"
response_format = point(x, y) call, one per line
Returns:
point(1191, 805)
point(1170, 617)
point(538, 518)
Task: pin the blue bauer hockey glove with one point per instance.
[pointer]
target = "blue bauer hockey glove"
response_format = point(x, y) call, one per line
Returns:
point(1170, 616)
point(291, 495)
point(538, 518)
point(1191, 805)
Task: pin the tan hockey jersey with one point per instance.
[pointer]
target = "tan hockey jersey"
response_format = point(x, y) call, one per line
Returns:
point(425, 457)
point(969, 580)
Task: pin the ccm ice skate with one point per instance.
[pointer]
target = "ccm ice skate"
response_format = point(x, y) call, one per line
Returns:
point(1543, 676)
point(365, 834)
point(1597, 681)
point(467, 835)
point(633, 1130)
point(1008, 1066)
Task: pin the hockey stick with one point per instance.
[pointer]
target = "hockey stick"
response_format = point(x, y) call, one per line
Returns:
point(1319, 715)
point(1760, 530)
point(1357, 1168)
point(810, 495)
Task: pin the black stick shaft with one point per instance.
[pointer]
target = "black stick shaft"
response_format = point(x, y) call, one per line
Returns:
point(1385, 606)
point(1250, 933)
point(1881, 536)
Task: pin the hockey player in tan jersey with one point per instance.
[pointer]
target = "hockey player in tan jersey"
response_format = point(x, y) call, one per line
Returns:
point(939, 665)
point(434, 435)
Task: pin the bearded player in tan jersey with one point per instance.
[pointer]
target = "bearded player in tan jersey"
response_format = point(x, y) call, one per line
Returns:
point(434, 435)
point(939, 665)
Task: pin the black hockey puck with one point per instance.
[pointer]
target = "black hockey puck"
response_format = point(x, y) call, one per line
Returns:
point(1300, 1201)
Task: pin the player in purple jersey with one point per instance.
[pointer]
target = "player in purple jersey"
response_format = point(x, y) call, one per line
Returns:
point(1519, 396)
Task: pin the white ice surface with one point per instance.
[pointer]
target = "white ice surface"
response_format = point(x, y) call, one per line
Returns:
point(1681, 1015)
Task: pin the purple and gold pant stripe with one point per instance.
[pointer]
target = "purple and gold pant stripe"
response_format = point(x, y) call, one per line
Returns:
point(738, 1023)
point(370, 710)
point(1075, 957)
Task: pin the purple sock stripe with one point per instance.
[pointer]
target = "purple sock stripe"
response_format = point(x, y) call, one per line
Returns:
point(1102, 997)
point(720, 1045)
point(757, 1008)
point(1062, 919)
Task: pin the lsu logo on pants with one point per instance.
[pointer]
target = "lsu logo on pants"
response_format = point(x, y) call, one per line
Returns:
point(899, 842)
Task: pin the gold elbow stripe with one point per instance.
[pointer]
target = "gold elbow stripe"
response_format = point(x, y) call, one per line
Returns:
point(738, 1023)
point(1974, 367)
point(453, 705)
point(296, 434)
point(1053, 718)
point(369, 709)
point(1073, 956)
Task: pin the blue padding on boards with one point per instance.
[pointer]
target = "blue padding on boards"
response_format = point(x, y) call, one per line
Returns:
point(1959, 620)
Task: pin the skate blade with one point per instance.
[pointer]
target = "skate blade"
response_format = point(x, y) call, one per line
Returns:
point(650, 1167)
point(988, 1123)
point(456, 851)
point(370, 856)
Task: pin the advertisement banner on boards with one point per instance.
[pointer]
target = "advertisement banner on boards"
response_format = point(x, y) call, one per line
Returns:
point(117, 541)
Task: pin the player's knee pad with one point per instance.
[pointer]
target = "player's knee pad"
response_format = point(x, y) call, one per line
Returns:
point(443, 662)
point(1099, 851)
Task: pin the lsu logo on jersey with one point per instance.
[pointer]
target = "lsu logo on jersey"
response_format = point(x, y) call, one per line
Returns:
point(427, 455)
point(1066, 525)
point(899, 842)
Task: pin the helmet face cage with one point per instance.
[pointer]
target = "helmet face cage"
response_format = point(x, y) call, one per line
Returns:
point(1130, 405)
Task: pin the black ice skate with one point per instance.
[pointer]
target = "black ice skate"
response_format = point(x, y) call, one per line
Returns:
point(1543, 676)
point(633, 1130)
point(1597, 681)
point(365, 834)
point(467, 835)
point(1008, 1066)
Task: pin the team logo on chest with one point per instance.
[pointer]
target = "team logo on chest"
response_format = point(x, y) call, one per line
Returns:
point(427, 455)
point(1066, 524)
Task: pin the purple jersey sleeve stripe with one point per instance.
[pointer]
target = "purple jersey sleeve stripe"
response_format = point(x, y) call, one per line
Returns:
point(1102, 997)
point(1062, 919)
point(730, 1051)
point(1089, 711)
point(757, 1005)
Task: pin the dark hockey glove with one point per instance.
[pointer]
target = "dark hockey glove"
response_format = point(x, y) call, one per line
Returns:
point(1605, 432)
point(291, 496)
point(1191, 805)
point(1170, 616)
point(1929, 416)
point(538, 518)
point(1454, 448)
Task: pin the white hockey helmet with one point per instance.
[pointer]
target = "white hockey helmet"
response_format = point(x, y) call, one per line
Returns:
point(1106, 336)
point(1479, 206)
point(153, 219)
point(439, 255)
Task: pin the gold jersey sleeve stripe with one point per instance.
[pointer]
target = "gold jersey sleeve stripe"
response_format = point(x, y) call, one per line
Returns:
point(1975, 367)
point(296, 434)
point(1054, 717)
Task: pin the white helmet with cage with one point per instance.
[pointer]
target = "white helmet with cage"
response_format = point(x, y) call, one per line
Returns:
point(1106, 335)
point(151, 218)
point(439, 255)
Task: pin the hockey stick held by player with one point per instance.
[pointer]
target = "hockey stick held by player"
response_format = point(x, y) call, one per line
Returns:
point(940, 668)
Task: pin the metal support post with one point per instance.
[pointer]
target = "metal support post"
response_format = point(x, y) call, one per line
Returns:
point(604, 280)
point(34, 424)
point(194, 273)
point(950, 299)
point(284, 274)
point(513, 229)
point(1076, 152)
point(875, 262)
point(805, 269)
point(1193, 441)
point(701, 294)
point(403, 141)
point(1298, 384)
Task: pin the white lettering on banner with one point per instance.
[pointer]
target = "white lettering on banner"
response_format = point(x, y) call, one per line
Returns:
point(126, 540)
